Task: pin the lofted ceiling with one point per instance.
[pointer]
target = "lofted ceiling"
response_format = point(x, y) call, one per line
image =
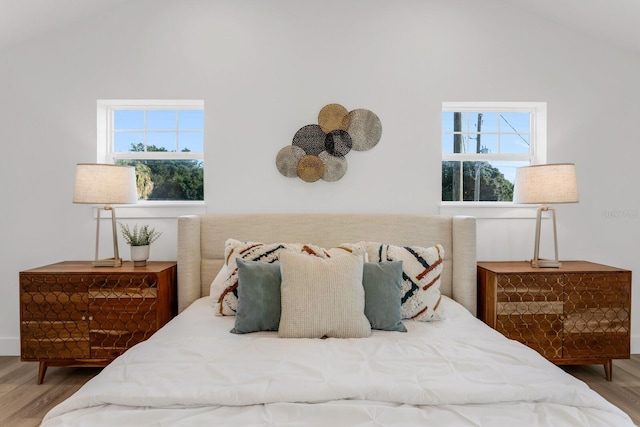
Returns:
point(22, 20)
point(616, 22)
point(613, 21)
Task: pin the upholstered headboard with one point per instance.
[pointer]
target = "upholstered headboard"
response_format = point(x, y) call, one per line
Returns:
point(201, 243)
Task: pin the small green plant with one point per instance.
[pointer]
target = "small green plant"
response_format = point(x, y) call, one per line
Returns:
point(142, 236)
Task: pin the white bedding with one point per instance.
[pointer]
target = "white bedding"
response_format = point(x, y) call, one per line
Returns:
point(456, 372)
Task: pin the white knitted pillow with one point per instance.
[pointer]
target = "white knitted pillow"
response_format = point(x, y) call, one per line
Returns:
point(322, 297)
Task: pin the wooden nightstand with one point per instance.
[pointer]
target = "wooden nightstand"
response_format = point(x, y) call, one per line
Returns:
point(73, 314)
point(576, 314)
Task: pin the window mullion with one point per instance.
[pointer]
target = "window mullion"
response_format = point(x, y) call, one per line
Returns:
point(144, 132)
point(176, 131)
point(461, 182)
point(158, 155)
point(473, 157)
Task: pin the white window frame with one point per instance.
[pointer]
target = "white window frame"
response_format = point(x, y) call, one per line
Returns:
point(107, 154)
point(537, 155)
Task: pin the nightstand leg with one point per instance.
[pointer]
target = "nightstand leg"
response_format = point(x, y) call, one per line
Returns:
point(41, 372)
point(608, 368)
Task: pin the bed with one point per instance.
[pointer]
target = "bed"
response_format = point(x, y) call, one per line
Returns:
point(445, 370)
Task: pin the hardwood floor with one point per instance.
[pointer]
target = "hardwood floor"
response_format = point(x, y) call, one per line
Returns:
point(624, 389)
point(23, 403)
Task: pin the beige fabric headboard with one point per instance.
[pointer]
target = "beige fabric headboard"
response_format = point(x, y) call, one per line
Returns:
point(201, 243)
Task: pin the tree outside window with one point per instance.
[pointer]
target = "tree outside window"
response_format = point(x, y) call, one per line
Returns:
point(163, 140)
point(483, 145)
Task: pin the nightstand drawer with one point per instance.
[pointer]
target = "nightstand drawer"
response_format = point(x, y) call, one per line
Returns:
point(58, 348)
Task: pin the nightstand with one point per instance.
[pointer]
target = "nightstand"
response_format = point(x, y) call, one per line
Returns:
point(74, 314)
point(576, 314)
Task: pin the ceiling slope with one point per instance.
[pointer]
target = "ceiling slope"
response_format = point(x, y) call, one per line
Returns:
point(616, 22)
point(22, 20)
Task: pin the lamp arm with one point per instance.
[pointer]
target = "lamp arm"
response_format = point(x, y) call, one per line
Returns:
point(114, 228)
point(536, 249)
point(555, 235)
point(97, 234)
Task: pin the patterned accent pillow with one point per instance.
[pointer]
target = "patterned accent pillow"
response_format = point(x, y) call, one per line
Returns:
point(421, 272)
point(224, 289)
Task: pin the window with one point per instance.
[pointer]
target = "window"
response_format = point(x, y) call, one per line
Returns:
point(164, 140)
point(484, 143)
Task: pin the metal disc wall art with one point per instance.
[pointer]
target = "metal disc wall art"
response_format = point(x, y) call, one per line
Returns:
point(318, 151)
point(333, 117)
point(287, 160)
point(365, 129)
point(310, 168)
point(311, 139)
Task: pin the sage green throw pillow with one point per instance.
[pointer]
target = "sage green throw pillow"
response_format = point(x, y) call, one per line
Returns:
point(258, 297)
point(383, 295)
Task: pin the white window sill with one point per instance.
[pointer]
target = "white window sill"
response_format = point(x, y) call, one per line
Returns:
point(488, 210)
point(158, 209)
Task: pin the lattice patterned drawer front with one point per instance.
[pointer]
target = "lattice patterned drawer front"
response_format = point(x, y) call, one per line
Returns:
point(529, 309)
point(123, 312)
point(597, 310)
point(93, 316)
point(52, 325)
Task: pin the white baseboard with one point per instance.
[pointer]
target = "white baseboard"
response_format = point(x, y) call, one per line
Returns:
point(9, 346)
point(635, 344)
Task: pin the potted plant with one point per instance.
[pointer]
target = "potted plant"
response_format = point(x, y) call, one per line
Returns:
point(140, 239)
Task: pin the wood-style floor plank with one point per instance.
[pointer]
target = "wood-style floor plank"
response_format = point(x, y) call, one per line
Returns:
point(23, 403)
point(624, 389)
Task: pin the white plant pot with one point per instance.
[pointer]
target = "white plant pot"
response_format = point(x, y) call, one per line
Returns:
point(140, 255)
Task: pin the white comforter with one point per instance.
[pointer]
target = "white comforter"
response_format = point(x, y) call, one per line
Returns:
point(457, 372)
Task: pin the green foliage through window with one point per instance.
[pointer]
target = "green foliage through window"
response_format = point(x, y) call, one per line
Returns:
point(480, 182)
point(167, 179)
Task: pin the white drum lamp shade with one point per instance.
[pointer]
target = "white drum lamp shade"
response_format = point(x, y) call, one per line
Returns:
point(546, 184)
point(105, 184)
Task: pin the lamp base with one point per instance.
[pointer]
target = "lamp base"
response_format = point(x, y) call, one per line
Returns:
point(116, 261)
point(109, 262)
point(536, 262)
point(545, 263)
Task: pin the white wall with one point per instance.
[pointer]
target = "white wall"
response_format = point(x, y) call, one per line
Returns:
point(265, 68)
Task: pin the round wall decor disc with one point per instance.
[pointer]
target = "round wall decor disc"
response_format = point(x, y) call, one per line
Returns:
point(287, 160)
point(333, 117)
point(365, 129)
point(310, 168)
point(334, 166)
point(338, 143)
point(311, 139)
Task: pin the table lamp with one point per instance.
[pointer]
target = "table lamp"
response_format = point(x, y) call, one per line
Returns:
point(546, 184)
point(105, 184)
